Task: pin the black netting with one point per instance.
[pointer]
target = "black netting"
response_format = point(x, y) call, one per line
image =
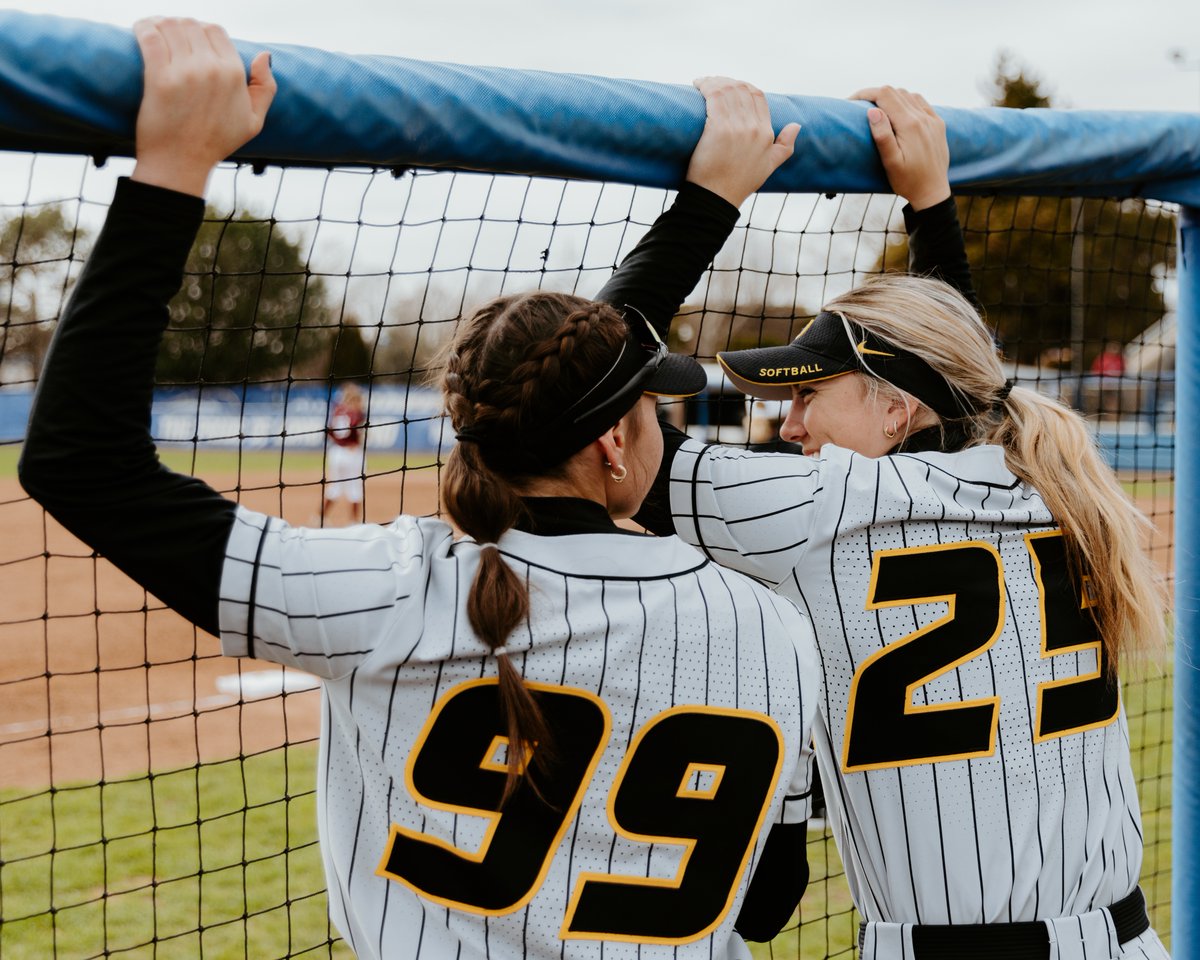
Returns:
point(158, 799)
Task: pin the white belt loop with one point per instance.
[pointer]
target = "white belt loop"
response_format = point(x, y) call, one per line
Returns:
point(1083, 937)
point(884, 941)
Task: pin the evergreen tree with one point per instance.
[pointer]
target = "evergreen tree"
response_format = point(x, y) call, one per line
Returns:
point(36, 253)
point(1022, 250)
point(248, 310)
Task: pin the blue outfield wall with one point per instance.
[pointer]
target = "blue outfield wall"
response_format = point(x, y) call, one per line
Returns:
point(71, 86)
point(401, 420)
point(1139, 453)
point(266, 418)
point(14, 414)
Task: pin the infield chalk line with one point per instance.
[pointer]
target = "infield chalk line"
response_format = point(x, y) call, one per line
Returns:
point(235, 688)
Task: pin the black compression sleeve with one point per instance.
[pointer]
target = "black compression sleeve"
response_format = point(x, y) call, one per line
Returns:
point(667, 264)
point(779, 880)
point(89, 458)
point(655, 278)
point(936, 248)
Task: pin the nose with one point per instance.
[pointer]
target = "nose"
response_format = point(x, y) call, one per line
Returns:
point(792, 429)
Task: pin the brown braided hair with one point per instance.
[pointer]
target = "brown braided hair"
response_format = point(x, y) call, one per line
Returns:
point(512, 367)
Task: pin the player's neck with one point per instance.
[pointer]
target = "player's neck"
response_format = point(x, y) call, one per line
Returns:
point(563, 516)
point(944, 438)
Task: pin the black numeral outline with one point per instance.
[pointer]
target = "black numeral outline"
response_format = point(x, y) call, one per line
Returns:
point(858, 752)
point(1048, 691)
point(615, 884)
point(390, 865)
point(1090, 700)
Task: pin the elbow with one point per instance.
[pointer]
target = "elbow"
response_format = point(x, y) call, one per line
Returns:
point(35, 468)
point(45, 473)
point(40, 480)
point(761, 930)
point(760, 923)
point(31, 470)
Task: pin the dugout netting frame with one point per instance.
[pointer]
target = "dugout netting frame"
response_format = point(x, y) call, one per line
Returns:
point(393, 114)
point(1185, 887)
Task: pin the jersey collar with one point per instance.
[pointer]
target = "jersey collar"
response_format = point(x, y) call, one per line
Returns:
point(949, 437)
point(562, 516)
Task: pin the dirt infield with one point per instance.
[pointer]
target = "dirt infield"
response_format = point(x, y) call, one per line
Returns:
point(97, 684)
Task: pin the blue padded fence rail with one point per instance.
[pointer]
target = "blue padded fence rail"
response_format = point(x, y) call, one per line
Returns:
point(71, 86)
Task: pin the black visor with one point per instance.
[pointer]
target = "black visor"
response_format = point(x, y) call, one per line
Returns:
point(829, 346)
point(642, 365)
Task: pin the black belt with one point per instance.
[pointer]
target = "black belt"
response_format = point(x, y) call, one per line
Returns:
point(1011, 941)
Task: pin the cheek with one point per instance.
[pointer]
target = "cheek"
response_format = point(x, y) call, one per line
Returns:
point(832, 423)
point(861, 429)
point(646, 448)
point(653, 438)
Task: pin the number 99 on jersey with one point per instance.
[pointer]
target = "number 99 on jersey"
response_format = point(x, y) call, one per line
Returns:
point(696, 776)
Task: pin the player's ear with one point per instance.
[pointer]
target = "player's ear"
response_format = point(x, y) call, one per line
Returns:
point(901, 409)
point(619, 434)
point(612, 442)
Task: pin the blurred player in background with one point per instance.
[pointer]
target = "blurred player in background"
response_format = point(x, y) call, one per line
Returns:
point(346, 455)
point(553, 730)
point(974, 573)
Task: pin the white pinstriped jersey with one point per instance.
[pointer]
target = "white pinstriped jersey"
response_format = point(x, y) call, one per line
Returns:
point(975, 766)
point(680, 696)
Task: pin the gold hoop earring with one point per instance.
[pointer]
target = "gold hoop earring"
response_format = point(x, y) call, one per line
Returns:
point(890, 434)
point(618, 473)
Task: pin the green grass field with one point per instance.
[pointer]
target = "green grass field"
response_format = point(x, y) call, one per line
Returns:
point(9, 453)
point(222, 861)
point(1162, 489)
point(1149, 707)
point(218, 861)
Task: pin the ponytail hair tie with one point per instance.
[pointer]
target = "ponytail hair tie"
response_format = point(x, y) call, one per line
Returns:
point(467, 434)
point(499, 652)
point(1004, 391)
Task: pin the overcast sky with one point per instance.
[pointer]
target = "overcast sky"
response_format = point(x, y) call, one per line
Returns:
point(1096, 54)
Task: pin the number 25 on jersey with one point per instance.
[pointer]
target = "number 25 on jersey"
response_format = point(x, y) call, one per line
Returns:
point(885, 728)
point(696, 776)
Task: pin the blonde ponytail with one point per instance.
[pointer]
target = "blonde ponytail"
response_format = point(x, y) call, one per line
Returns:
point(1046, 444)
point(1049, 446)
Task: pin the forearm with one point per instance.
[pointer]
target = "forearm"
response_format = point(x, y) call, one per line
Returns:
point(937, 249)
point(659, 273)
point(89, 458)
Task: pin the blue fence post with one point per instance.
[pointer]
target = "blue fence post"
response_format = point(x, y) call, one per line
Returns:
point(1185, 801)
